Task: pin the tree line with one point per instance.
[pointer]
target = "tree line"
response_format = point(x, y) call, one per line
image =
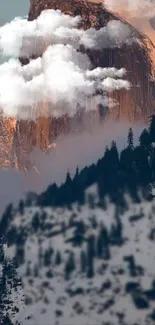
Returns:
point(114, 173)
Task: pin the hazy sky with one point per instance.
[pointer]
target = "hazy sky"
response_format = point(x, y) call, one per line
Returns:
point(11, 8)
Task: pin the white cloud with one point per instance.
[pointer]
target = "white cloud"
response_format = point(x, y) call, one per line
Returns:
point(106, 72)
point(59, 77)
point(53, 27)
point(111, 84)
point(62, 77)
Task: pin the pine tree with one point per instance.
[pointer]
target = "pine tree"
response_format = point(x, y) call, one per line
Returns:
point(49, 273)
point(91, 201)
point(94, 222)
point(7, 320)
point(116, 233)
point(92, 245)
point(47, 257)
point(67, 191)
point(79, 233)
point(142, 165)
point(69, 266)
point(21, 207)
point(6, 218)
point(99, 246)
point(3, 282)
point(77, 188)
point(112, 233)
point(144, 138)
point(152, 128)
point(130, 138)
point(35, 222)
point(103, 250)
point(12, 236)
point(63, 228)
point(132, 265)
point(10, 269)
point(1, 254)
point(40, 254)
point(8, 280)
point(71, 261)
point(36, 271)
point(83, 261)
point(90, 268)
point(67, 271)
point(76, 174)
point(114, 155)
point(68, 179)
point(20, 254)
point(58, 258)
point(28, 270)
point(152, 164)
point(90, 256)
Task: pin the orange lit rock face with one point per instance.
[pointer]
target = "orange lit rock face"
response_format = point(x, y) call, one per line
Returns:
point(7, 129)
point(137, 18)
point(133, 105)
point(138, 102)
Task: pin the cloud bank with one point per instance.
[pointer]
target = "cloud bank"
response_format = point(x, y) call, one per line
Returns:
point(62, 77)
point(59, 78)
point(53, 27)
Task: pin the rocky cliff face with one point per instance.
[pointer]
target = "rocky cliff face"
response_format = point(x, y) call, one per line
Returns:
point(7, 130)
point(135, 58)
point(136, 104)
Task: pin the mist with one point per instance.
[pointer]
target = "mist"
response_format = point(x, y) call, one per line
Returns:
point(136, 8)
point(12, 187)
point(136, 12)
point(71, 151)
point(77, 150)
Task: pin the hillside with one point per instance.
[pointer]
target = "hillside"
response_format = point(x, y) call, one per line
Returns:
point(71, 255)
point(115, 174)
point(82, 265)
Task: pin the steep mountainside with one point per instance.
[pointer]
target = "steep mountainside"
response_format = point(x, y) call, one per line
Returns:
point(135, 58)
point(138, 103)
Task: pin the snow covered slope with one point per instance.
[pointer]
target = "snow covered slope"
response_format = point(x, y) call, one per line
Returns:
point(85, 265)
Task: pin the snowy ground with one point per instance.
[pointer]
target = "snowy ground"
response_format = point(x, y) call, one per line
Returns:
point(103, 299)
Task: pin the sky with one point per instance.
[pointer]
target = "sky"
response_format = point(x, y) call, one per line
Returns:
point(11, 8)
